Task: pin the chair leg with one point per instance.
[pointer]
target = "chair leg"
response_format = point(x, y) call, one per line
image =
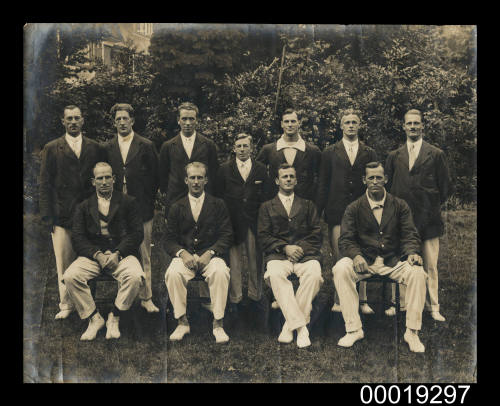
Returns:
point(384, 287)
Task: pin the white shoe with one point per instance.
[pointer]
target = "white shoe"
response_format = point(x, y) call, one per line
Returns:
point(303, 337)
point(437, 316)
point(149, 306)
point(179, 333)
point(275, 305)
point(336, 308)
point(112, 330)
point(414, 342)
point(220, 335)
point(95, 324)
point(208, 306)
point(286, 335)
point(390, 312)
point(63, 314)
point(366, 309)
point(350, 338)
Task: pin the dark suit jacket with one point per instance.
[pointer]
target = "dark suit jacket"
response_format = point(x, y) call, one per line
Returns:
point(302, 228)
point(65, 180)
point(124, 226)
point(213, 230)
point(140, 170)
point(242, 199)
point(339, 182)
point(173, 159)
point(306, 165)
point(394, 239)
point(424, 188)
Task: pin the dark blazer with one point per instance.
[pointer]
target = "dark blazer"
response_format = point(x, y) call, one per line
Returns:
point(394, 239)
point(306, 165)
point(339, 182)
point(173, 159)
point(424, 188)
point(302, 228)
point(140, 170)
point(65, 180)
point(124, 226)
point(213, 230)
point(242, 198)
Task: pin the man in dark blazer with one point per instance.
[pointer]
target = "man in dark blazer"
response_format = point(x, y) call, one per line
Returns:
point(65, 175)
point(418, 173)
point(292, 149)
point(107, 232)
point(175, 154)
point(135, 164)
point(198, 237)
point(378, 237)
point(243, 184)
point(290, 235)
point(340, 183)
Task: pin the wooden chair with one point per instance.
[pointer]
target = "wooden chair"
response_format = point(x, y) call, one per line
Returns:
point(103, 277)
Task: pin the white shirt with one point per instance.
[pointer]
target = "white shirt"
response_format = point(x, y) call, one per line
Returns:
point(188, 143)
point(287, 201)
point(75, 143)
point(124, 144)
point(244, 167)
point(103, 207)
point(375, 206)
point(351, 148)
point(290, 148)
point(416, 150)
point(196, 204)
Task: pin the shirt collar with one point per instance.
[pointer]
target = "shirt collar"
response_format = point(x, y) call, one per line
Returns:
point(127, 138)
point(299, 144)
point(70, 139)
point(283, 197)
point(417, 144)
point(102, 198)
point(184, 138)
point(240, 162)
point(347, 143)
point(374, 203)
point(195, 199)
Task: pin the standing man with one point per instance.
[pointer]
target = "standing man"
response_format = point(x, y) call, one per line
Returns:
point(418, 173)
point(378, 237)
point(292, 149)
point(340, 183)
point(243, 184)
point(198, 236)
point(107, 231)
point(175, 154)
point(290, 234)
point(135, 165)
point(65, 175)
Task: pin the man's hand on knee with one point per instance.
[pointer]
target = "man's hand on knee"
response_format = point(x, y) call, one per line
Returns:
point(360, 264)
point(414, 259)
point(101, 259)
point(189, 261)
point(112, 261)
point(204, 260)
point(294, 253)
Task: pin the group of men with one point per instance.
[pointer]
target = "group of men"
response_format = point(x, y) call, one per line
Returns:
point(98, 201)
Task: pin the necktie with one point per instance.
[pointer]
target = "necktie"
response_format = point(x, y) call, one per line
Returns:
point(74, 147)
point(288, 205)
point(196, 209)
point(351, 154)
point(412, 156)
point(377, 212)
point(244, 171)
point(189, 147)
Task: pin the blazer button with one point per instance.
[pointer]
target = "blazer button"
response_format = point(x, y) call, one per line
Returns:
point(244, 200)
point(382, 245)
point(196, 240)
point(289, 219)
point(381, 233)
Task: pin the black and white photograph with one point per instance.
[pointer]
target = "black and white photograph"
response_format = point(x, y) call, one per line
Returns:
point(249, 203)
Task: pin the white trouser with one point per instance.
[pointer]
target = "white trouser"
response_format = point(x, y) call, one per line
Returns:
point(295, 307)
point(216, 275)
point(128, 273)
point(145, 251)
point(334, 234)
point(63, 251)
point(430, 254)
point(254, 256)
point(345, 279)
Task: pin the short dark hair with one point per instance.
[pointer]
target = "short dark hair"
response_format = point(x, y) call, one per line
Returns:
point(373, 165)
point(285, 165)
point(196, 165)
point(70, 107)
point(187, 106)
point(413, 111)
point(240, 136)
point(122, 107)
point(291, 111)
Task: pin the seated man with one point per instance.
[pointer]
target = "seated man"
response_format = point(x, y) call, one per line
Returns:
point(107, 233)
point(290, 235)
point(198, 235)
point(378, 237)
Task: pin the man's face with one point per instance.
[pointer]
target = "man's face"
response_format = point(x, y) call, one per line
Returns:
point(196, 180)
point(286, 180)
point(413, 127)
point(290, 124)
point(103, 180)
point(350, 126)
point(73, 121)
point(375, 180)
point(123, 122)
point(187, 122)
point(243, 148)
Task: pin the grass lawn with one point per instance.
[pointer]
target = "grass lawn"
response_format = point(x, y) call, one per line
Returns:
point(53, 351)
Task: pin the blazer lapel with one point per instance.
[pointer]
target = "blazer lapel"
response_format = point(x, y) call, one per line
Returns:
point(94, 211)
point(388, 210)
point(205, 209)
point(236, 171)
point(66, 149)
point(369, 212)
point(342, 153)
point(296, 206)
point(197, 146)
point(114, 205)
point(134, 149)
point(404, 157)
point(279, 208)
point(422, 155)
point(83, 151)
point(360, 153)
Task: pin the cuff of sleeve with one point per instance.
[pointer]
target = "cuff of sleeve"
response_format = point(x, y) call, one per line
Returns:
point(178, 253)
point(96, 253)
